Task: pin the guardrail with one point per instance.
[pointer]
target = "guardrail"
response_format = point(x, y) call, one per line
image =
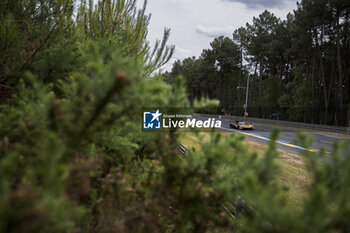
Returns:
point(327, 128)
point(182, 150)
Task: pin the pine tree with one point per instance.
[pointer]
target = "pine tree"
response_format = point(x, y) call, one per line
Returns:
point(73, 157)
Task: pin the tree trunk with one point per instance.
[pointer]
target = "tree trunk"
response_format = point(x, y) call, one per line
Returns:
point(324, 81)
point(239, 83)
point(313, 87)
point(325, 92)
point(340, 74)
point(260, 84)
point(281, 77)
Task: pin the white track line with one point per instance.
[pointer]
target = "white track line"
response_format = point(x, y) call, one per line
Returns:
point(267, 139)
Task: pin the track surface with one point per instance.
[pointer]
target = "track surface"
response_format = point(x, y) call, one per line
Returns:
point(288, 137)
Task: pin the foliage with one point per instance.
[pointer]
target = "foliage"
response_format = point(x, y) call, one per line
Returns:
point(73, 157)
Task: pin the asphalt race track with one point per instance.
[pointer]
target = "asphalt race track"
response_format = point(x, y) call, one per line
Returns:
point(288, 137)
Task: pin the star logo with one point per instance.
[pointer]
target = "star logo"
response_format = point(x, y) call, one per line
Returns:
point(156, 115)
point(151, 120)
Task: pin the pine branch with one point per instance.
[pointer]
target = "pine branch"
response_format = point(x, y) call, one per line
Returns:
point(48, 36)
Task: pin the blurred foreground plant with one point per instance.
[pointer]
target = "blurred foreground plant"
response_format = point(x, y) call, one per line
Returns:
point(73, 157)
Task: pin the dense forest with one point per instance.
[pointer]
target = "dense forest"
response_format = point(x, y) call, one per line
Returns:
point(298, 67)
point(74, 77)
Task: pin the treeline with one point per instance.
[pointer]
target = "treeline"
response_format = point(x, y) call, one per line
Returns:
point(298, 67)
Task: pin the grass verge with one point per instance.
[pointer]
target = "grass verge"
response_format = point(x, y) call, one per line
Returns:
point(293, 171)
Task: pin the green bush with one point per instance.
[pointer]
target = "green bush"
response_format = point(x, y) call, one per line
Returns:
point(73, 157)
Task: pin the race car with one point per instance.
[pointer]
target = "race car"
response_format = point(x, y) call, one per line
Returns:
point(241, 125)
point(234, 125)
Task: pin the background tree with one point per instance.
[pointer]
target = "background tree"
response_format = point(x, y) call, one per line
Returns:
point(307, 51)
point(213, 74)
